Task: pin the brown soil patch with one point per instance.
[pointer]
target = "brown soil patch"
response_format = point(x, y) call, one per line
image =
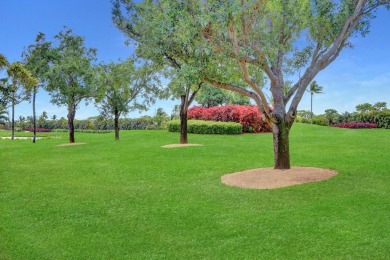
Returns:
point(71, 144)
point(268, 178)
point(180, 145)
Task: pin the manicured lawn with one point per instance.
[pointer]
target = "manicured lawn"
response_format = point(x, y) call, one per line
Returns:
point(134, 200)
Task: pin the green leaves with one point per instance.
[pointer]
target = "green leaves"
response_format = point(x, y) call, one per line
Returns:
point(3, 61)
point(126, 86)
point(71, 76)
point(19, 75)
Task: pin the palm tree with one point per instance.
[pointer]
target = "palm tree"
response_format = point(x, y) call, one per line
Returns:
point(19, 76)
point(3, 61)
point(314, 89)
point(3, 116)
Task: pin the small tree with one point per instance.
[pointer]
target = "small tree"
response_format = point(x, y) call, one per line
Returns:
point(380, 106)
point(159, 44)
point(365, 107)
point(314, 88)
point(71, 78)
point(126, 88)
point(19, 76)
point(330, 115)
point(4, 88)
point(37, 59)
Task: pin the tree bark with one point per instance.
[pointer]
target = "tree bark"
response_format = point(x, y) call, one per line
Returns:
point(281, 132)
point(311, 108)
point(71, 116)
point(116, 125)
point(183, 120)
point(13, 116)
point(34, 118)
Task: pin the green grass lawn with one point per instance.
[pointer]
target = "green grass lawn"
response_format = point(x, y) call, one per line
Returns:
point(134, 200)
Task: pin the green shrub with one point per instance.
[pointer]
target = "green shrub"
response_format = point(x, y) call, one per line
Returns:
point(207, 127)
point(380, 118)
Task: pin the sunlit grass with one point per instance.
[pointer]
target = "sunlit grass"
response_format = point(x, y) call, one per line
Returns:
point(133, 199)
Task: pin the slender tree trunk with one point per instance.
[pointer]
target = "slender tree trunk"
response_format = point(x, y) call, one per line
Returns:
point(13, 116)
point(71, 116)
point(34, 117)
point(183, 120)
point(281, 132)
point(311, 108)
point(116, 125)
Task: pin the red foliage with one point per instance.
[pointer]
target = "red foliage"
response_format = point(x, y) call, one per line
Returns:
point(30, 129)
point(248, 116)
point(355, 125)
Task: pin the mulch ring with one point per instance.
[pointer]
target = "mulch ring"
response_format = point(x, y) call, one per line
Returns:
point(269, 178)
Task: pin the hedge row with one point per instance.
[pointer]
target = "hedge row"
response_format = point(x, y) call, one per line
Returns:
point(379, 118)
point(145, 122)
point(248, 116)
point(207, 127)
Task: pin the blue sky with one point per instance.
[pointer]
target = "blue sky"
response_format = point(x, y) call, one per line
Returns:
point(359, 75)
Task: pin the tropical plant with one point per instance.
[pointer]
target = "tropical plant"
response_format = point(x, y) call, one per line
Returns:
point(3, 116)
point(314, 88)
point(18, 76)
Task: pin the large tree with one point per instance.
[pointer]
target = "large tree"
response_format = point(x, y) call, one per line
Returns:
point(37, 58)
point(156, 40)
point(286, 40)
point(126, 87)
point(19, 76)
point(71, 77)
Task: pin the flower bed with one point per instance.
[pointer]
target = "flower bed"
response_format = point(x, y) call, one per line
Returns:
point(355, 125)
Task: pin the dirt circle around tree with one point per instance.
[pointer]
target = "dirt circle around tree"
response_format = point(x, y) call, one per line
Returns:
point(269, 178)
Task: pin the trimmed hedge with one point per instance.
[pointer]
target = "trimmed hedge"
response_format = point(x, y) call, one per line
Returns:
point(207, 127)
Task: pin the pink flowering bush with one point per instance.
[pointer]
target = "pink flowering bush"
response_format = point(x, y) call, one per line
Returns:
point(355, 125)
point(248, 116)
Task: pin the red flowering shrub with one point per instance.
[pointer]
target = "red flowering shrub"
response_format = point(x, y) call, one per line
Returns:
point(30, 129)
point(248, 116)
point(355, 125)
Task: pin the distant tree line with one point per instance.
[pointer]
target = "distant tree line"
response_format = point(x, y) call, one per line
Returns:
point(377, 113)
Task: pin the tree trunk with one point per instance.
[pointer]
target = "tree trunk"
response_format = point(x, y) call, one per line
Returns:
point(34, 118)
point(13, 117)
point(71, 116)
point(183, 120)
point(116, 125)
point(311, 109)
point(281, 132)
